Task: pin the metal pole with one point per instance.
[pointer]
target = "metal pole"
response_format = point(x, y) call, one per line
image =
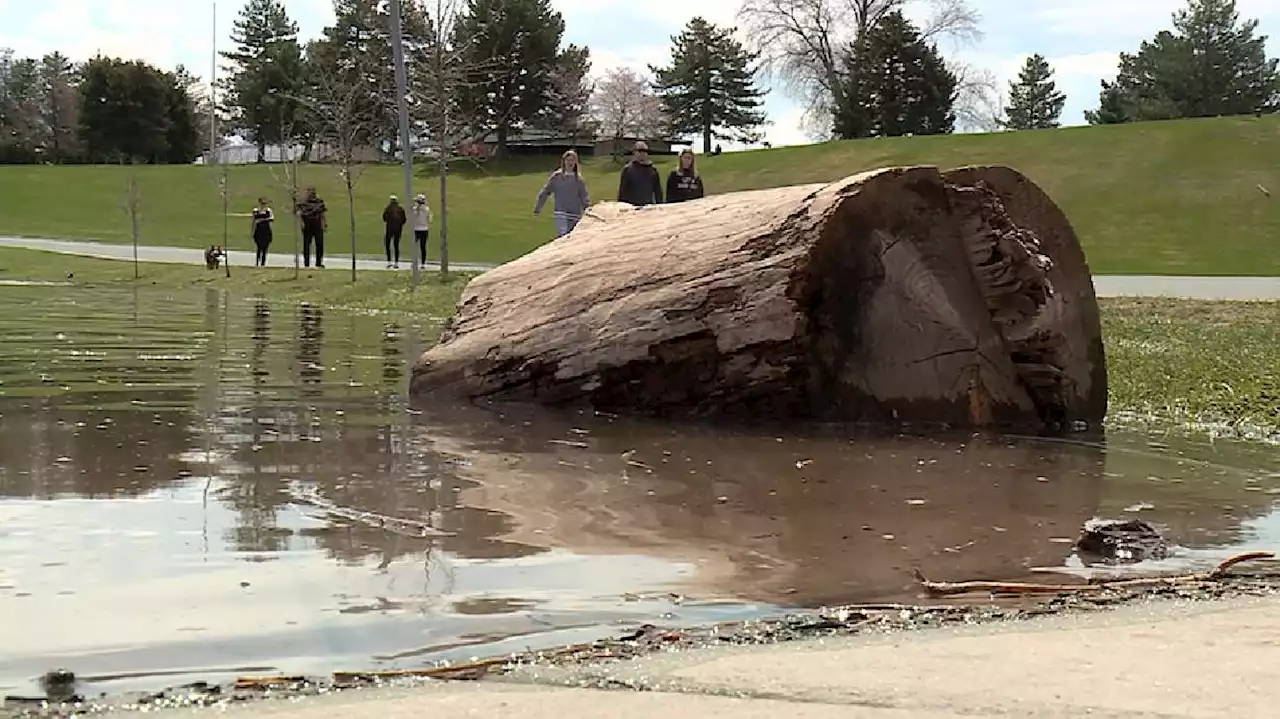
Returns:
point(402, 108)
point(213, 93)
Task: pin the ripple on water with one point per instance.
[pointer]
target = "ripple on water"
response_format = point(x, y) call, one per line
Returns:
point(161, 458)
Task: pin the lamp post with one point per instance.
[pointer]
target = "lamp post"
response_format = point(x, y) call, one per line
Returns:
point(402, 108)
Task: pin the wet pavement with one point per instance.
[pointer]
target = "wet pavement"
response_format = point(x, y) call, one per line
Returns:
point(279, 257)
point(1188, 287)
point(196, 487)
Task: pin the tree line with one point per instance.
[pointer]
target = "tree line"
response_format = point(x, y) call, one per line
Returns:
point(476, 68)
point(498, 68)
point(863, 69)
point(104, 110)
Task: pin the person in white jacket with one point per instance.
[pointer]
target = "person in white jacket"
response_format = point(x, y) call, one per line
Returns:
point(420, 215)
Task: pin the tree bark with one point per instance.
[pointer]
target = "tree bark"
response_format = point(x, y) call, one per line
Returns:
point(897, 296)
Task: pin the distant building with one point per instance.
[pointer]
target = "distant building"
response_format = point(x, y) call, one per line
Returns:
point(542, 142)
point(239, 152)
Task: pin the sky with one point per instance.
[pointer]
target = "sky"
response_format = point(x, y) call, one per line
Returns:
point(1081, 38)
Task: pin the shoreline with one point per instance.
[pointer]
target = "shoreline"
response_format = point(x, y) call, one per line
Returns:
point(652, 659)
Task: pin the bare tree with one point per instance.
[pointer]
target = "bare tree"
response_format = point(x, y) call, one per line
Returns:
point(979, 99)
point(286, 176)
point(132, 204)
point(344, 119)
point(224, 193)
point(440, 73)
point(625, 105)
point(802, 43)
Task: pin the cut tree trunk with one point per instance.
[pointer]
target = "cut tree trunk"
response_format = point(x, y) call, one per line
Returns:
point(902, 295)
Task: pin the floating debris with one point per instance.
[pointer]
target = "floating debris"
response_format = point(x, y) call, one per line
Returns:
point(1122, 541)
point(395, 525)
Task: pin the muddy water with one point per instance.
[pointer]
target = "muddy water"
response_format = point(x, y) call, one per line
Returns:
point(195, 486)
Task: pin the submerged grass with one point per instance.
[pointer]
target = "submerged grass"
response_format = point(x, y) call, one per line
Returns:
point(332, 287)
point(1171, 362)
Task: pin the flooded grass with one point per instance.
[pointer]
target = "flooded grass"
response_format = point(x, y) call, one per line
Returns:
point(1211, 366)
point(372, 291)
point(250, 471)
point(1205, 367)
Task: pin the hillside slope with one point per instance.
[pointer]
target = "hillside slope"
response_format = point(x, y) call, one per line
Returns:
point(1178, 197)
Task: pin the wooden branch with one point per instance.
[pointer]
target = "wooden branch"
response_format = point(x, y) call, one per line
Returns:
point(941, 589)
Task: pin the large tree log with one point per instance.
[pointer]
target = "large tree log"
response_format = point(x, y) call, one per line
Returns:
point(902, 295)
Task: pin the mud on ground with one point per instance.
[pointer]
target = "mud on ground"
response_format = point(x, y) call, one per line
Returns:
point(1257, 579)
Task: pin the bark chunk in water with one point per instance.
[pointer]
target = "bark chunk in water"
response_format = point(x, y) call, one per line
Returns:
point(903, 295)
point(1122, 541)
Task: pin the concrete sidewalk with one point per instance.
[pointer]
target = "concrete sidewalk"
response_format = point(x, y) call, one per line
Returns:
point(239, 258)
point(1188, 287)
point(1145, 661)
point(1200, 288)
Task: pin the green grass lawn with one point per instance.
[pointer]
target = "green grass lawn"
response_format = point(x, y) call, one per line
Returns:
point(1178, 197)
point(1170, 361)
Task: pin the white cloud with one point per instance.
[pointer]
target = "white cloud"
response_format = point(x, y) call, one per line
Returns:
point(638, 58)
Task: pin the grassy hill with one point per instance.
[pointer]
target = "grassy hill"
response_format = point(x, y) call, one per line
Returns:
point(1177, 197)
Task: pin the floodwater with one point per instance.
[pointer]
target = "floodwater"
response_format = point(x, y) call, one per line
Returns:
point(194, 486)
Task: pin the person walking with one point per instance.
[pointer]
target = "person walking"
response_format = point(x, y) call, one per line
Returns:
point(684, 183)
point(639, 184)
point(262, 219)
point(421, 215)
point(315, 220)
point(570, 192)
point(393, 217)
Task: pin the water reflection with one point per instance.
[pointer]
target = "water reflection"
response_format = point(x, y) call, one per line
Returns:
point(157, 453)
point(310, 335)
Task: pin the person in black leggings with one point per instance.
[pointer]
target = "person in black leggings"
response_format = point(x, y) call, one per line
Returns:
point(315, 221)
point(262, 219)
point(393, 217)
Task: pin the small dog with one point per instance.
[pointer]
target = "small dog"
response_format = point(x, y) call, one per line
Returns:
point(213, 257)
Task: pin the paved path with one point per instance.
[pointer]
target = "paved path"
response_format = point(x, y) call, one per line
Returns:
point(1204, 288)
point(193, 256)
point(1148, 661)
point(1197, 288)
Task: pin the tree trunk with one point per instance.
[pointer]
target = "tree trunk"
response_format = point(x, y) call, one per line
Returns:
point(902, 295)
point(444, 216)
point(351, 215)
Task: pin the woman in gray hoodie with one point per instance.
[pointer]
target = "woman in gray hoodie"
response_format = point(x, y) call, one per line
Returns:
point(570, 192)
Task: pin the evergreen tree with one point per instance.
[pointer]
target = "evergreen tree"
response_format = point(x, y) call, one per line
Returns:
point(709, 87)
point(1210, 64)
point(1035, 103)
point(266, 72)
point(1111, 107)
point(514, 47)
point(358, 51)
point(186, 126)
point(896, 84)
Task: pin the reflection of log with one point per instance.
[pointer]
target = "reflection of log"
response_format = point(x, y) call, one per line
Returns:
point(901, 294)
point(808, 518)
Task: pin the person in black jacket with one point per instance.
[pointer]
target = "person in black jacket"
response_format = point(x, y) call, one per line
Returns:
point(684, 182)
point(640, 183)
point(393, 216)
